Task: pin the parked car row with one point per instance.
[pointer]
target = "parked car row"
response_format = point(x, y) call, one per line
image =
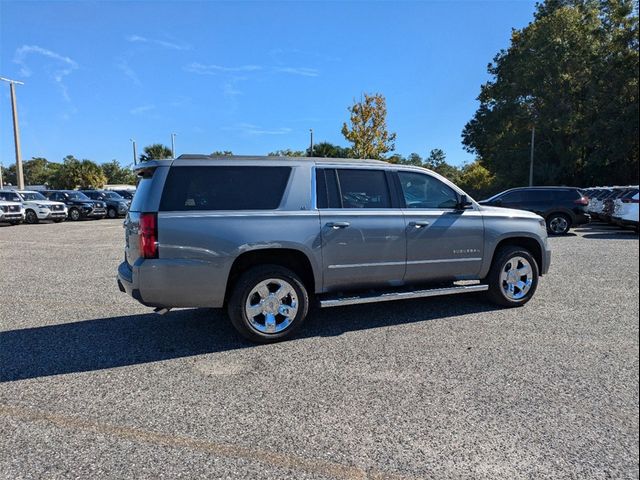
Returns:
point(30, 206)
point(617, 205)
point(561, 207)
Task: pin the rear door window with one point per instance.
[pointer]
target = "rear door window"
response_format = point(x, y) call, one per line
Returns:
point(223, 188)
point(537, 196)
point(360, 188)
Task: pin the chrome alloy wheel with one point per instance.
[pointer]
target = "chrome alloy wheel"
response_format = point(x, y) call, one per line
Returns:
point(271, 306)
point(516, 278)
point(558, 225)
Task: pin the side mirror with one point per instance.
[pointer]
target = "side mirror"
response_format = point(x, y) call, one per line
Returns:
point(464, 202)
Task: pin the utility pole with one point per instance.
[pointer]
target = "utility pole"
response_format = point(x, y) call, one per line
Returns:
point(173, 145)
point(533, 141)
point(1, 184)
point(311, 147)
point(135, 156)
point(16, 130)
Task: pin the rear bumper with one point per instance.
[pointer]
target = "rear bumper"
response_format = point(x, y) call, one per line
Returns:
point(581, 219)
point(126, 283)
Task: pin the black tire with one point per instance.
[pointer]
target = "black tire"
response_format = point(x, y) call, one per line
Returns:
point(74, 214)
point(112, 213)
point(501, 261)
point(558, 224)
point(31, 217)
point(243, 288)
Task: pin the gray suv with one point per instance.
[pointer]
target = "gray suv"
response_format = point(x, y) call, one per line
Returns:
point(262, 236)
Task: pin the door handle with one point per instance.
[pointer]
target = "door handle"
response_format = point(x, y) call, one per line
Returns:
point(336, 225)
point(419, 224)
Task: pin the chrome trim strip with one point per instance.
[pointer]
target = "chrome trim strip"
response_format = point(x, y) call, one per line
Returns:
point(387, 297)
point(445, 260)
point(411, 262)
point(356, 265)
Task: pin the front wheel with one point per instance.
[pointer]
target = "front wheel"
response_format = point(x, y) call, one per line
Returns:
point(513, 277)
point(112, 213)
point(268, 303)
point(74, 214)
point(558, 224)
point(30, 217)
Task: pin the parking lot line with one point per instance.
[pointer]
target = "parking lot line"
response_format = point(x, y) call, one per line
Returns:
point(280, 460)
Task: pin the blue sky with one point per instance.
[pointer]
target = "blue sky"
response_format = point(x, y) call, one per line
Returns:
point(250, 77)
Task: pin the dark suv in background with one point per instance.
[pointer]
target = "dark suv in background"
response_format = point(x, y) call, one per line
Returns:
point(561, 207)
point(117, 206)
point(78, 204)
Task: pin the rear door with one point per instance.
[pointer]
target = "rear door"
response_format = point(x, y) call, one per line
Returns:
point(362, 228)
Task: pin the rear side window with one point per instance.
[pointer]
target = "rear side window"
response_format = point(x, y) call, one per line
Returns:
point(223, 188)
point(361, 188)
point(567, 195)
point(537, 195)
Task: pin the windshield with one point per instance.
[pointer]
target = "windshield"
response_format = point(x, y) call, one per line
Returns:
point(32, 196)
point(113, 196)
point(10, 197)
point(77, 196)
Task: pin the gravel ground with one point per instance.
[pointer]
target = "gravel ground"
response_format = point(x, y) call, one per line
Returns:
point(94, 386)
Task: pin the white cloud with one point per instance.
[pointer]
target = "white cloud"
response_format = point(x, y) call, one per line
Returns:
point(303, 71)
point(123, 65)
point(201, 69)
point(155, 41)
point(142, 109)
point(65, 65)
point(250, 129)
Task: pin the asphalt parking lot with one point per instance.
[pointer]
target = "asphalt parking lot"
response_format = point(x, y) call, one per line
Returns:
point(96, 386)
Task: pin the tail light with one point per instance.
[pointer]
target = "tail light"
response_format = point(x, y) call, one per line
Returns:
point(582, 201)
point(148, 235)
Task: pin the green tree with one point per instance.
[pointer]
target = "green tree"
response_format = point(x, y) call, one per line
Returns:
point(157, 151)
point(37, 171)
point(117, 174)
point(287, 153)
point(437, 161)
point(74, 173)
point(476, 180)
point(368, 132)
point(329, 150)
point(222, 153)
point(573, 74)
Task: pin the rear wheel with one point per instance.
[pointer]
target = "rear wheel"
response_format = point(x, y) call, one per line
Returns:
point(268, 303)
point(513, 277)
point(112, 213)
point(30, 217)
point(558, 224)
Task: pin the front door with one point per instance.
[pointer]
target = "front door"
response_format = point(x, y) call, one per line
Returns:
point(444, 242)
point(362, 231)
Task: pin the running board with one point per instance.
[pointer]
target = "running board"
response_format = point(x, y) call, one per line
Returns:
point(387, 297)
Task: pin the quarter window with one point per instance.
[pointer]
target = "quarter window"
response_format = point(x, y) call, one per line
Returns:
point(224, 188)
point(424, 191)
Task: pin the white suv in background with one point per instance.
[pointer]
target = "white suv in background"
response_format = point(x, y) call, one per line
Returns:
point(36, 206)
point(11, 212)
point(626, 209)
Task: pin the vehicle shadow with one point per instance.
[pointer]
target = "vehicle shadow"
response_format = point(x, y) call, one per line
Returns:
point(136, 339)
point(618, 235)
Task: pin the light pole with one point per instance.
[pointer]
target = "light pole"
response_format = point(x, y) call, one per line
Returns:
point(311, 147)
point(533, 141)
point(173, 145)
point(135, 156)
point(16, 130)
point(1, 184)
